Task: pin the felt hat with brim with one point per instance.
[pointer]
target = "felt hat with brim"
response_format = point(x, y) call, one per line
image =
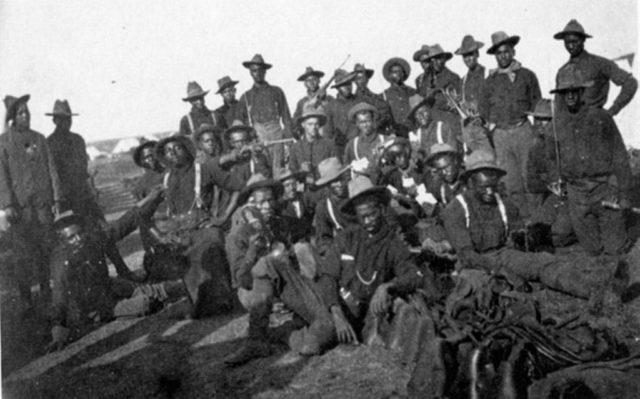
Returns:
point(256, 60)
point(440, 149)
point(386, 69)
point(286, 173)
point(206, 128)
point(225, 82)
point(570, 78)
point(343, 78)
point(61, 108)
point(361, 107)
point(310, 72)
point(258, 181)
point(361, 187)
point(186, 142)
point(542, 109)
point(393, 142)
point(66, 219)
point(499, 38)
point(573, 28)
point(416, 101)
point(469, 45)
point(238, 126)
point(11, 103)
point(437, 51)
point(358, 68)
point(421, 53)
point(481, 160)
point(312, 112)
point(329, 169)
point(194, 90)
point(137, 153)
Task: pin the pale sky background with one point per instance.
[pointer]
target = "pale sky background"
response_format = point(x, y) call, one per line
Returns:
point(124, 65)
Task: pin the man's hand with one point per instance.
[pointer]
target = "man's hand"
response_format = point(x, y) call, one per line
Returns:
point(344, 331)
point(381, 300)
point(59, 338)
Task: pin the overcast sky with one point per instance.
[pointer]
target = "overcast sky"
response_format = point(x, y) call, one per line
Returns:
point(124, 65)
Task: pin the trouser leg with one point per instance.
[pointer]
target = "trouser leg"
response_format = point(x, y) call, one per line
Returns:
point(584, 219)
point(615, 239)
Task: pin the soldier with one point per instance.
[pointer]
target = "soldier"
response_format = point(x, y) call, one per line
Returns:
point(338, 110)
point(396, 71)
point(365, 146)
point(307, 152)
point(29, 190)
point(473, 80)
point(445, 164)
point(265, 108)
point(296, 205)
point(421, 56)
point(69, 154)
point(384, 117)
point(199, 113)
point(208, 139)
point(510, 91)
point(229, 108)
point(315, 98)
point(440, 77)
point(597, 69)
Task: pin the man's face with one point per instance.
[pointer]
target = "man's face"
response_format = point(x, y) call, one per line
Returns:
point(438, 63)
point(539, 122)
point(229, 94)
point(238, 139)
point(504, 55)
point(148, 158)
point(369, 215)
point(62, 122)
point(574, 44)
point(471, 59)
point(175, 153)
point(73, 237)
point(396, 74)
point(361, 79)
point(364, 123)
point(423, 116)
point(346, 90)
point(447, 168)
point(339, 187)
point(425, 63)
point(198, 102)
point(265, 201)
point(208, 143)
point(573, 99)
point(290, 185)
point(485, 186)
point(23, 116)
point(312, 83)
point(257, 73)
point(311, 128)
point(400, 155)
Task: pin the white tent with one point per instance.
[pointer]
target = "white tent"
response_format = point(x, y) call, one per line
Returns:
point(125, 145)
point(94, 153)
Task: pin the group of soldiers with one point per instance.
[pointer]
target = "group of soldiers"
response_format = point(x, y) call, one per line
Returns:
point(329, 210)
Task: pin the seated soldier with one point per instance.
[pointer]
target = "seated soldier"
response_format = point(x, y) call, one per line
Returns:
point(208, 142)
point(295, 205)
point(329, 219)
point(192, 227)
point(363, 150)
point(262, 271)
point(396, 169)
point(312, 148)
point(83, 292)
point(478, 224)
point(443, 181)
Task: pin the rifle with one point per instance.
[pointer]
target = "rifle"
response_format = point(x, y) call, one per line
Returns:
point(560, 182)
point(315, 100)
point(615, 206)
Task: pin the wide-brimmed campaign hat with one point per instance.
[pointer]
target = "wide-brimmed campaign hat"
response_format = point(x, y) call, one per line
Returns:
point(343, 78)
point(286, 173)
point(361, 107)
point(137, 153)
point(313, 112)
point(61, 108)
point(238, 126)
point(424, 50)
point(416, 101)
point(329, 170)
point(361, 68)
point(361, 187)
point(11, 103)
point(481, 160)
point(310, 72)
point(184, 140)
point(225, 82)
point(437, 51)
point(570, 77)
point(394, 141)
point(573, 28)
point(256, 60)
point(66, 219)
point(256, 182)
point(386, 69)
point(542, 109)
point(499, 38)
point(468, 45)
point(206, 128)
point(440, 149)
point(194, 90)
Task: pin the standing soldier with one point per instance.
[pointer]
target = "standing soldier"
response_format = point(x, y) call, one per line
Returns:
point(422, 56)
point(439, 77)
point(396, 71)
point(307, 152)
point(29, 190)
point(510, 91)
point(338, 110)
point(365, 146)
point(384, 118)
point(69, 154)
point(199, 113)
point(473, 80)
point(229, 108)
point(597, 69)
point(265, 108)
point(315, 98)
